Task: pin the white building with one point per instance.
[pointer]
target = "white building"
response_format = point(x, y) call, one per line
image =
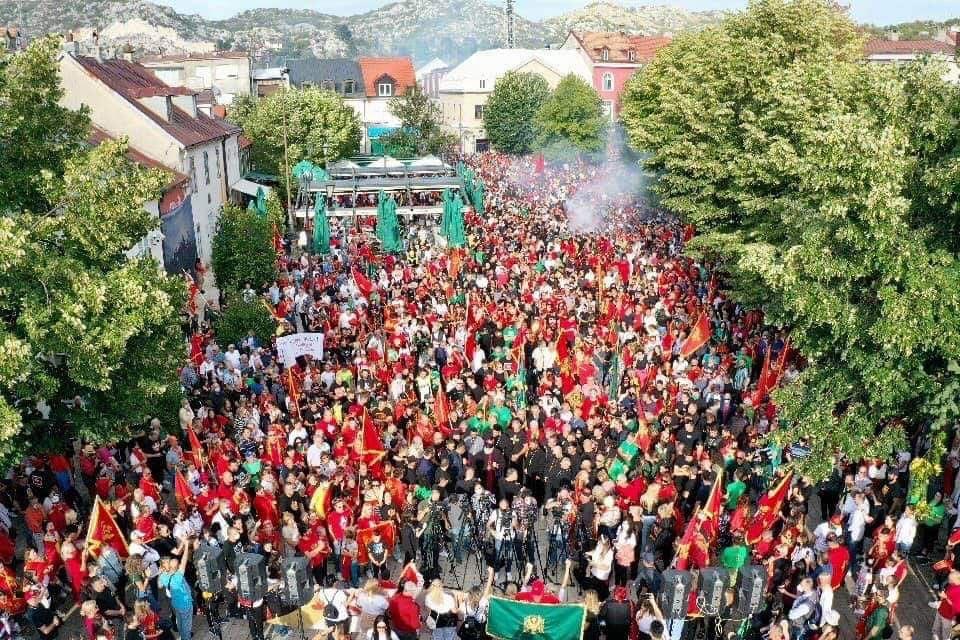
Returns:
point(464, 90)
point(900, 51)
point(162, 124)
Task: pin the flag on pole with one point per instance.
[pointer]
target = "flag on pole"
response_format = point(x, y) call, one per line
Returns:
point(372, 449)
point(509, 619)
point(441, 412)
point(699, 336)
point(388, 535)
point(470, 347)
point(364, 285)
point(763, 382)
point(321, 500)
point(103, 530)
point(196, 449)
point(768, 509)
point(701, 532)
point(182, 490)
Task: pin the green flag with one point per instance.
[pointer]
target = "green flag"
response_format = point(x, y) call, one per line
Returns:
point(512, 620)
point(261, 202)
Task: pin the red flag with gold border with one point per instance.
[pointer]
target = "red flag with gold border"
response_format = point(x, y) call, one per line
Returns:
point(196, 449)
point(103, 530)
point(182, 490)
point(699, 336)
point(388, 534)
point(372, 450)
point(768, 509)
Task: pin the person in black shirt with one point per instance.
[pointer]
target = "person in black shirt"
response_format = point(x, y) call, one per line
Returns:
point(42, 616)
point(132, 631)
point(110, 607)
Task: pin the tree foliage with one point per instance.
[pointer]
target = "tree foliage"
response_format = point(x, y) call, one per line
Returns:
point(571, 119)
point(243, 250)
point(318, 126)
point(90, 340)
point(829, 190)
point(509, 114)
point(420, 130)
point(36, 147)
point(242, 316)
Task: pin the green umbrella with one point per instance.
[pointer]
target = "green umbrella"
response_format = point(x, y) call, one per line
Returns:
point(302, 167)
point(446, 197)
point(477, 194)
point(261, 202)
point(456, 233)
point(388, 227)
point(321, 226)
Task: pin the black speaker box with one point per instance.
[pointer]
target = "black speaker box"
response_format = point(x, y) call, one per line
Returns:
point(297, 582)
point(251, 576)
point(675, 593)
point(211, 569)
point(751, 590)
point(711, 585)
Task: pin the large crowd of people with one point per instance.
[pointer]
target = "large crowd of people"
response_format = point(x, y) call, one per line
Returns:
point(537, 415)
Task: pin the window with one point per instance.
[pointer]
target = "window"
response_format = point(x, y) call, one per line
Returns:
point(216, 156)
point(348, 86)
point(608, 82)
point(483, 84)
point(206, 167)
point(478, 111)
point(385, 89)
point(605, 54)
point(327, 84)
point(204, 77)
point(608, 108)
point(193, 173)
point(223, 72)
point(632, 55)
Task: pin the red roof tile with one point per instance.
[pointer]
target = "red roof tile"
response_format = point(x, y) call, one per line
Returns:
point(98, 136)
point(134, 81)
point(619, 45)
point(399, 69)
point(907, 47)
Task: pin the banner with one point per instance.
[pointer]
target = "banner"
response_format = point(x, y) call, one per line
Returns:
point(388, 535)
point(509, 619)
point(299, 344)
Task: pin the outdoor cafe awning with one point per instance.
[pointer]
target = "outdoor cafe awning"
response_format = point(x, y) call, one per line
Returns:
point(249, 188)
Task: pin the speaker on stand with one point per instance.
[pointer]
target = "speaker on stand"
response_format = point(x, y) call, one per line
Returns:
point(251, 577)
point(212, 577)
point(297, 586)
point(675, 596)
point(751, 590)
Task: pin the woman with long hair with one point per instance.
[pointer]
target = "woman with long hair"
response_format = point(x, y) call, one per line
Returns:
point(147, 619)
point(370, 602)
point(626, 547)
point(591, 628)
point(617, 615)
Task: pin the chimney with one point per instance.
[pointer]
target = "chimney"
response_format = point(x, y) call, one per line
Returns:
point(128, 52)
point(70, 46)
point(186, 103)
point(894, 36)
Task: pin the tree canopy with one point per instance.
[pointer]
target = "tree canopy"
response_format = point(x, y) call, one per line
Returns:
point(420, 130)
point(828, 190)
point(571, 120)
point(243, 250)
point(91, 340)
point(318, 125)
point(508, 116)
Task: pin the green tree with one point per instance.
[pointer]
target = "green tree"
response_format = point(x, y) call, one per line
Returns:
point(571, 118)
point(88, 336)
point(827, 189)
point(317, 125)
point(421, 124)
point(508, 116)
point(242, 316)
point(36, 146)
point(243, 251)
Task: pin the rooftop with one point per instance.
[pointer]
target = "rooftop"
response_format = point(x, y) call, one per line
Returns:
point(619, 45)
point(908, 47)
point(98, 136)
point(494, 63)
point(400, 69)
point(133, 82)
point(316, 72)
point(212, 55)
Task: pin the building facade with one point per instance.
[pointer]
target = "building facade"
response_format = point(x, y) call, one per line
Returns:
point(901, 51)
point(164, 126)
point(613, 58)
point(465, 89)
point(225, 73)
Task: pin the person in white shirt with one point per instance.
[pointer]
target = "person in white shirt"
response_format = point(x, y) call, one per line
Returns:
point(906, 530)
point(298, 432)
point(544, 356)
point(316, 450)
point(232, 356)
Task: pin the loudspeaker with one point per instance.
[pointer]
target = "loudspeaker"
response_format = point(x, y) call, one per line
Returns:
point(251, 576)
point(211, 569)
point(713, 582)
point(753, 585)
point(675, 593)
point(297, 586)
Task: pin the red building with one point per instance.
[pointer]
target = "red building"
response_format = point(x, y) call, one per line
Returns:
point(613, 57)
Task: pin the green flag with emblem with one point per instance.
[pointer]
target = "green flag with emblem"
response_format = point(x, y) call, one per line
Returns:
point(513, 620)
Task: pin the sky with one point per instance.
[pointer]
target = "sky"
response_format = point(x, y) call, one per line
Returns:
point(879, 12)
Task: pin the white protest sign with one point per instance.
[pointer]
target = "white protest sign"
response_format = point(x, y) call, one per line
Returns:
point(299, 344)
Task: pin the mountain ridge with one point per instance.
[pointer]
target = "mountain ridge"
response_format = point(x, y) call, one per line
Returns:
point(423, 29)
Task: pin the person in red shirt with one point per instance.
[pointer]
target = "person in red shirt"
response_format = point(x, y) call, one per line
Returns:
point(149, 487)
point(537, 592)
point(839, 558)
point(948, 607)
point(404, 612)
point(315, 545)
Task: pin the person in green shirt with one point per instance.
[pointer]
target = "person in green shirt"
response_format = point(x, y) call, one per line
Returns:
point(929, 528)
point(735, 556)
point(734, 490)
point(878, 621)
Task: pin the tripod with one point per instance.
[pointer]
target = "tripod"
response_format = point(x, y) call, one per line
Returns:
point(558, 544)
point(474, 541)
point(507, 556)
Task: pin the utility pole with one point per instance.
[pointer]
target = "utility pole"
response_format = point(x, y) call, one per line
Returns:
point(286, 168)
point(510, 42)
